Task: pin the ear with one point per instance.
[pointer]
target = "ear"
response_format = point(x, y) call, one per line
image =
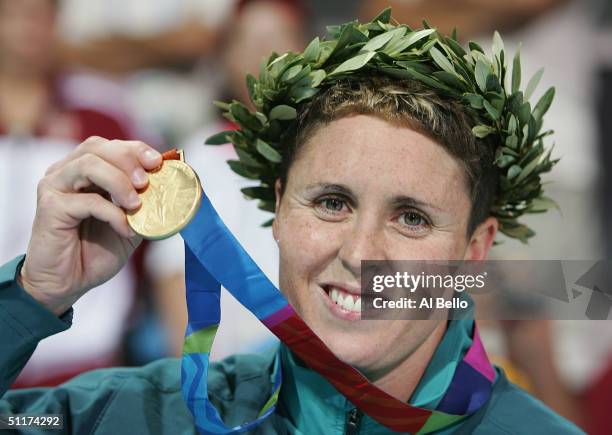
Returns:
point(277, 195)
point(482, 239)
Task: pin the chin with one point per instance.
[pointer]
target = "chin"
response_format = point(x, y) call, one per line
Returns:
point(354, 349)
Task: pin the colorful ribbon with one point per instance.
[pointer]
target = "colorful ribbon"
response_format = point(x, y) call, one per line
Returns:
point(213, 257)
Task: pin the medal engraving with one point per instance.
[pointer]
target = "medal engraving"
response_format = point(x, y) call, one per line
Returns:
point(168, 202)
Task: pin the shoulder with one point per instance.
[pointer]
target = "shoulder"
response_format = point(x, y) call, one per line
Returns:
point(162, 375)
point(511, 410)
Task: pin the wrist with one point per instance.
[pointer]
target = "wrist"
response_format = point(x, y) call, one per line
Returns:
point(50, 304)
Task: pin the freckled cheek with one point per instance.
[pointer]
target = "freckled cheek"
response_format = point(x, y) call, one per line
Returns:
point(432, 248)
point(306, 250)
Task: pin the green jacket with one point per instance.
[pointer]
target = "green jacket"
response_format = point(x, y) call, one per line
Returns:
point(148, 400)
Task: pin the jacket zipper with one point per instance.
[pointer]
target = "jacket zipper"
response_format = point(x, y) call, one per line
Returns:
point(353, 420)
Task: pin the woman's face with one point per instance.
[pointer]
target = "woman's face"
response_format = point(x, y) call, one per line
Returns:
point(364, 189)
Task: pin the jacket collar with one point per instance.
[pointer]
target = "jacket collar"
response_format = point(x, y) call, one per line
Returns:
point(312, 404)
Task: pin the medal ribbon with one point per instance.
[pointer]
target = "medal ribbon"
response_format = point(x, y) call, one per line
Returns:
point(213, 257)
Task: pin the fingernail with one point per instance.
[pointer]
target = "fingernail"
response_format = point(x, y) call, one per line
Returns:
point(134, 199)
point(139, 176)
point(152, 156)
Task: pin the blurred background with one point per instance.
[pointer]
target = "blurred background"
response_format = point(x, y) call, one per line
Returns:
point(150, 69)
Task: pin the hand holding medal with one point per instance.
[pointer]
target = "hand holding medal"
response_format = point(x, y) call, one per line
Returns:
point(80, 236)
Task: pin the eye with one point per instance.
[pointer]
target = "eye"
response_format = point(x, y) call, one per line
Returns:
point(414, 220)
point(331, 205)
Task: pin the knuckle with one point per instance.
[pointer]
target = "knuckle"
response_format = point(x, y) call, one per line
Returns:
point(93, 201)
point(46, 200)
point(121, 149)
point(87, 160)
point(93, 140)
point(52, 168)
point(42, 188)
point(138, 147)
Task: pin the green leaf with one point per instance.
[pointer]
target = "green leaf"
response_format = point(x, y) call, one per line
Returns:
point(451, 80)
point(456, 47)
point(326, 49)
point(240, 169)
point(482, 71)
point(408, 71)
point(543, 104)
point(476, 101)
point(505, 160)
point(442, 61)
point(414, 37)
point(524, 113)
point(250, 81)
point(283, 112)
point(516, 72)
point(291, 73)
point(268, 152)
point(258, 192)
point(384, 16)
point(474, 46)
point(512, 124)
point(482, 131)
point(544, 203)
point(493, 84)
point(498, 44)
point(492, 111)
point(349, 35)
point(317, 77)
point(311, 54)
point(514, 171)
point(220, 138)
point(380, 40)
point(520, 231)
point(247, 159)
point(244, 117)
point(533, 83)
point(512, 141)
point(334, 31)
point(304, 93)
point(222, 105)
point(528, 170)
point(266, 206)
point(354, 63)
point(263, 119)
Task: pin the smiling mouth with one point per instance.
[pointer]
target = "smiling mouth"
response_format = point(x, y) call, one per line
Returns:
point(344, 300)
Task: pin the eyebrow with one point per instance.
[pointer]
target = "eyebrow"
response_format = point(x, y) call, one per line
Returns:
point(397, 201)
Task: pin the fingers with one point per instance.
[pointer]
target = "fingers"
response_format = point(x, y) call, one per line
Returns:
point(131, 157)
point(81, 206)
point(90, 169)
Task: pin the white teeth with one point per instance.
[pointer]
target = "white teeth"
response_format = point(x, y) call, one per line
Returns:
point(345, 300)
point(348, 303)
point(334, 295)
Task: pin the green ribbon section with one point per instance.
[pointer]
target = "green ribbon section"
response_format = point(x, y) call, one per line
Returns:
point(200, 341)
point(439, 420)
point(271, 402)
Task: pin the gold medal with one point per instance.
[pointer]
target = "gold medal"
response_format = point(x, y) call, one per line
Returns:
point(169, 202)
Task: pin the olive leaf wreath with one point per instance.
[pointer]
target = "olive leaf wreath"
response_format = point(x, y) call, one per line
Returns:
point(482, 82)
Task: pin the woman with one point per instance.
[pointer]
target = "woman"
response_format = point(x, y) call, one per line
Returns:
point(375, 167)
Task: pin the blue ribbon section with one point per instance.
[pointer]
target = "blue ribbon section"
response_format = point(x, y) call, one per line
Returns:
point(213, 257)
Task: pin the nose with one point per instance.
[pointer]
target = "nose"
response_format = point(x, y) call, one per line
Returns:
point(362, 241)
